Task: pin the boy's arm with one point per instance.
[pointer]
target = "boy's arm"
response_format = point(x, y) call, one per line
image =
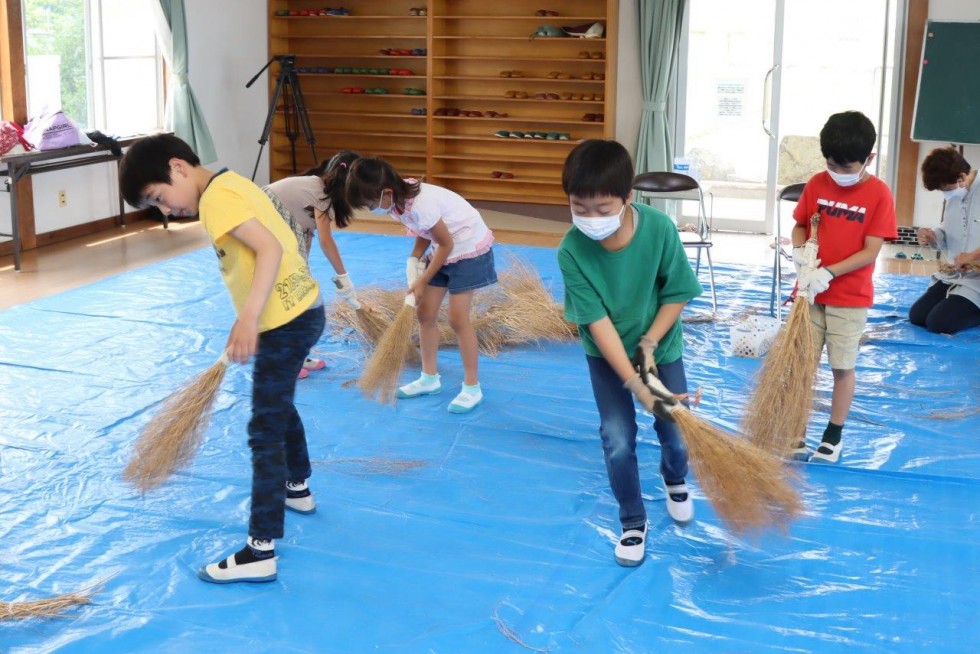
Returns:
point(444, 239)
point(327, 244)
point(799, 235)
point(607, 340)
point(861, 258)
point(243, 339)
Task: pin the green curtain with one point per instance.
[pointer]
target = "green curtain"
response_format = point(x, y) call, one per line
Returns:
point(183, 115)
point(660, 33)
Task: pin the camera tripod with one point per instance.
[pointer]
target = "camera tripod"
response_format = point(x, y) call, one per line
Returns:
point(293, 109)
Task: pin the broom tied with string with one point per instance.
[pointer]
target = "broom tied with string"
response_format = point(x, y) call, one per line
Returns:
point(385, 366)
point(749, 488)
point(169, 441)
point(778, 411)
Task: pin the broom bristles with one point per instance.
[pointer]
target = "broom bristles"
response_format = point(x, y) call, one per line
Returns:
point(385, 365)
point(372, 324)
point(778, 412)
point(47, 608)
point(749, 488)
point(169, 441)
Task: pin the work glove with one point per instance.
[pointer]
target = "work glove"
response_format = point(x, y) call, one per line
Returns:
point(815, 282)
point(805, 258)
point(652, 395)
point(345, 290)
point(414, 268)
point(643, 356)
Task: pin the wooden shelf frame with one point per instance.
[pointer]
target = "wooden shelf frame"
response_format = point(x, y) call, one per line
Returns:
point(467, 44)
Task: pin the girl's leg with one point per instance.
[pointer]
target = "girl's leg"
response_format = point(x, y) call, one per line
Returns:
point(428, 315)
point(469, 349)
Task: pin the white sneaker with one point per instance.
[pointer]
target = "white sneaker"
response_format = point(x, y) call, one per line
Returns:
point(424, 385)
point(827, 452)
point(799, 452)
point(631, 548)
point(299, 498)
point(467, 399)
point(259, 571)
point(680, 506)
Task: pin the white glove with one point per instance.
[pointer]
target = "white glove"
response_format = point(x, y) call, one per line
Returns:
point(414, 267)
point(815, 282)
point(805, 258)
point(345, 290)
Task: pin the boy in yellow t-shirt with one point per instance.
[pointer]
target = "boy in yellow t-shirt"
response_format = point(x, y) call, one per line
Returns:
point(280, 317)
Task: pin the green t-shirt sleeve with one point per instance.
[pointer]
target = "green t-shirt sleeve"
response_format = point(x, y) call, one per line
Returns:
point(582, 304)
point(675, 278)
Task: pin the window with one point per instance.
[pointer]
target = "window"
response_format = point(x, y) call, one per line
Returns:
point(97, 60)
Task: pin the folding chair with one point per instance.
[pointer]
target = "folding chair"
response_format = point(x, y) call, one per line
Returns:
point(789, 193)
point(675, 186)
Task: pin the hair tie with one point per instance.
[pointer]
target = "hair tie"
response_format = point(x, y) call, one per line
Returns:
point(343, 164)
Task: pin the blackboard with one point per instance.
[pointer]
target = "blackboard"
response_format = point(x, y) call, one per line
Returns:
point(947, 102)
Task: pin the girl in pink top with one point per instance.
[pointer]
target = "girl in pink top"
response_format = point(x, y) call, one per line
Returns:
point(460, 262)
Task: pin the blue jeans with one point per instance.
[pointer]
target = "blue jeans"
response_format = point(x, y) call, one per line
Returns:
point(617, 428)
point(275, 432)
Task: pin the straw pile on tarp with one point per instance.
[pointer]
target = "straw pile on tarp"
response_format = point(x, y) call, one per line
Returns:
point(518, 310)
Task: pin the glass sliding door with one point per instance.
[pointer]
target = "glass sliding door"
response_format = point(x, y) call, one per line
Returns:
point(758, 79)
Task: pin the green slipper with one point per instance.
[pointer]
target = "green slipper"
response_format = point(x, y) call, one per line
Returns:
point(502, 133)
point(517, 135)
point(552, 136)
point(564, 137)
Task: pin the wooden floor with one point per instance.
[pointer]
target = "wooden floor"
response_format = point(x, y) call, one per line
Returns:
point(56, 268)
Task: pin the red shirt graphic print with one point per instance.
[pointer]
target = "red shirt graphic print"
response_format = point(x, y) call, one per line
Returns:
point(848, 214)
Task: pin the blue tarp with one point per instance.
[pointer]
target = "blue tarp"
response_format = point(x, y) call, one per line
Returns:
point(487, 532)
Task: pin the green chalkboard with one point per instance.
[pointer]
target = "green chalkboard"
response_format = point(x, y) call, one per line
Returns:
point(947, 103)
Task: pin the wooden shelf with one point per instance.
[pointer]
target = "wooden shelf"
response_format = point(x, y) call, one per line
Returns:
point(467, 45)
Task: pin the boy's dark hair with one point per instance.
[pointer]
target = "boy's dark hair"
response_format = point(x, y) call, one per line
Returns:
point(847, 137)
point(147, 161)
point(942, 167)
point(598, 167)
point(334, 172)
point(369, 176)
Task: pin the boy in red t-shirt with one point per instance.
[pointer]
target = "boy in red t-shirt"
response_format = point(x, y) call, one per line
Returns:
point(857, 214)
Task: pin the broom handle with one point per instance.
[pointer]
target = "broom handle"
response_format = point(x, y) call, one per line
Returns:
point(814, 223)
point(224, 358)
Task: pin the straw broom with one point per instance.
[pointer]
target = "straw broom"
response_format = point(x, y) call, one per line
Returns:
point(779, 409)
point(749, 488)
point(385, 365)
point(170, 440)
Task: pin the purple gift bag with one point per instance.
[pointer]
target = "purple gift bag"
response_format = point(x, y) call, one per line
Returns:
point(53, 130)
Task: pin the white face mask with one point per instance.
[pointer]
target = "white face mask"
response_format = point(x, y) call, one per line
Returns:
point(847, 179)
point(379, 210)
point(598, 228)
point(955, 194)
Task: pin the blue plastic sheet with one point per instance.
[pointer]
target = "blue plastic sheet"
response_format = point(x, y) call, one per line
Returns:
point(487, 532)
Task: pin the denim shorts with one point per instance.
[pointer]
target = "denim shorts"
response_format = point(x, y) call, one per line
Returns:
point(466, 274)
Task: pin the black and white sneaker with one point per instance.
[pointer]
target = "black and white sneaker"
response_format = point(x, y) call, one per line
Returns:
point(299, 498)
point(827, 452)
point(680, 506)
point(631, 548)
point(799, 452)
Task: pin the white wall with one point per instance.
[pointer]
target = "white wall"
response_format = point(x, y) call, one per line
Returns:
point(928, 205)
point(228, 44)
point(629, 92)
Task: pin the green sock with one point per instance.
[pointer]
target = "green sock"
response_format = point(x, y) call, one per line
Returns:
point(832, 433)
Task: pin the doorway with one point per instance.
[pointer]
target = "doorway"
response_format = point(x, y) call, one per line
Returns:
point(757, 81)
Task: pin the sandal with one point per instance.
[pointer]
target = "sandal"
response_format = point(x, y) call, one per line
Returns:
point(596, 55)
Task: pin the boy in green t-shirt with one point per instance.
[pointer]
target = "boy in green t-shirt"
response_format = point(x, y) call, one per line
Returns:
point(627, 278)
